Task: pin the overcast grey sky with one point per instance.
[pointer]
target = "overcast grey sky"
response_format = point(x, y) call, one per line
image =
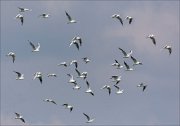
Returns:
point(101, 36)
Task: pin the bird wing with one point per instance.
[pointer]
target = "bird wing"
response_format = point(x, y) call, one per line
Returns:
point(76, 64)
point(153, 40)
point(79, 74)
point(80, 41)
point(120, 19)
point(144, 87)
point(77, 46)
point(32, 45)
point(40, 79)
point(116, 87)
point(124, 53)
point(130, 20)
point(109, 90)
point(19, 74)
point(22, 20)
point(170, 50)
point(17, 114)
point(116, 61)
point(53, 102)
point(13, 57)
point(22, 120)
point(134, 60)
point(127, 66)
point(87, 116)
point(69, 17)
point(87, 84)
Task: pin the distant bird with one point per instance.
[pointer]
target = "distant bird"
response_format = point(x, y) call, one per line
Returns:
point(19, 75)
point(169, 48)
point(90, 120)
point(117, 16)
point(44, 15)
point(77, 41)
point(117, 64)
point(89, 89)
point(127, 67)
point(20, 17)
point(118, 90)
point(135, 61)
point(142, 85)
point(67, 106)
point(35, 48)
point(63, 64)
point(74, 62)
point(86, 60)
point(129, 19)
point(71, 79)
point(81, 75)
point(18, 116)
point(24, 9)
point(76, 86)
point(108, 88)
point(51, 75)
point(116, 79)
point(39, 76)
point(152, 37)
point(126, 55)
point(12, 54)
point(50, 100)
point(70, 20)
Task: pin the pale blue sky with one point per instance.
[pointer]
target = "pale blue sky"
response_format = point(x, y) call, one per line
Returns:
point(101, 36)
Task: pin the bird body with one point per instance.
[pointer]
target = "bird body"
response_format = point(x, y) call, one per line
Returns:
point(67, 106)
point(19, 75)
point(127, 67)
point(135, 61)
point(126, 55)
point(70, 20)
point(35, 48)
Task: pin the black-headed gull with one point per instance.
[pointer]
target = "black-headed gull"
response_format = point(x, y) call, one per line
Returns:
point(127, 67)
point(20, 17)
point(19, 75)
point(39, 76)
point(12, 54)
point(67, 106)
point(108, 88)
point(89, 89)
point(86, 60)
point(44, 15)
point(116, 79)
point(70, 20)
point(136, 62)
point(142, 85)
point(117, 64)
point(18, 116)
point(81, 75)
point(126, 55)
point(21, 9)
point(129, 19)
point(169, 48)
point(152, 37)
point(35, 48)
point(50, 100)
point(118, 90)
point(90, 120)
point(117, 16)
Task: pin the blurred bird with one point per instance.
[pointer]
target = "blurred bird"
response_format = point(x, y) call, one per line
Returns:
point(12, 54)
point(118, 90)
point(44, 15)
point(117, 64)
point(67, 106)
point(117, 16)
point(51, 75)
point(20, 17)
point(74, 62)
point(86, 60)
point(127, 67)
point(19, 75)
point(50, 100)
point(135, 61)
point(169, 48)
point(90, 120)
point(89, 89)
point(126, 55)
point(24, 9)
point(18, 116)
point(81, 75)
point(63, 64)
point(129, 19)
point(152, 37)
point(35, 48)
point(116, 79)
point(70, 20)
point(142, 85)
point(39, 76)
point(108, 88)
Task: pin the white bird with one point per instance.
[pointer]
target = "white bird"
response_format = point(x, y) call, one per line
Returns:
point(71, 80)
point(78, 39)
point(118, 90)
point(142, 85)
point(67, 106)
point(117, 64)
point(152, 37)
point(117, 16)
point(129, 18)
point(39, 76)
point(20, 17)
point(19, 75)
point(63, 64)
point(24, 9)
point(51, 75)
point(90, 120)
point(35, 48)
point(116, 79)
point(127, 67)
point(75, 43)
point(135, 61)
point(169, 48)
point(126, 55)
point(86, 60)
point(12, 54)
point(76, 86)
point(74, 62)
point(50, 100)
point(108, 88)
point(18, 116)
point(81, 75)
point(70, 20)
point(89, 89)
point(44, 15)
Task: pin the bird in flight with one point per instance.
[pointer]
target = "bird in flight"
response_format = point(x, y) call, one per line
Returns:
point(152, 37)
point(169, 48)
point(20, 17)
point(81, 75)
point(89, 89)
point(108, 88)
point(19, 75)
point(67, 106)
point(63, 64)
point(117, 64)
point(142, 85)
point(135, 61)
point(86, 60)
point(51, 75)
point(12, 54)
point(116, 79)
point(70, 20)
point(39, 76)
point(35, 48)
point(50, 100)
point(44, 15)
point(117, 16)
point(129, 19)
point(74, 62)
point(18, 116)
point(90, 120)
point(21, 9)
point(118, 90)
point(127, 67)
point(126, 55)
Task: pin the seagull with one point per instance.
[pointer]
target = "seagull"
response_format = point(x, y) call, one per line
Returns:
point(86, 60)
point(135, 61)
point(129, 18)
point(18, 116)
point(19, 75)
point(81, 75)
point(107, 87)
point(20, 17)
point(63, 64)
point(51, 75)
point(70, 20)
point(119, 66)
point(88, 118)
point(75, 43)
point(50, 100)
point(35, 48)
point(44, 15)
point(12, 54)
point(127, 67)
point(67, 106)
point(126, 55)
point(89, 89)
point(118, 90)
point(24, 9)
point(76, 87)
point(117, 16)
point(151, 36)
point(169, 48)
point(78, 39)
point(71, 79)
point(38, 75)
point(116, 79)
point(142, 85)
point(75, 63)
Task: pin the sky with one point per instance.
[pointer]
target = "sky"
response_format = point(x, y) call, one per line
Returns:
point(101, 37)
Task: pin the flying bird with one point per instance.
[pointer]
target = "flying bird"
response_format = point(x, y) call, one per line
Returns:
point(152, 37)
point(74, 62)
point(67, 106)
point(70, 20)
point(126, 55)
point(127, 67)
point(50, 100)
point(51, 75)
point(142, 85)
point(108, 88)
point(81, 75)
point(18, 116)
point(118, 90)
point(135, 61)
point(169, 48)
point(20, 17)
point(89, 89)
point(44, 15)
point(116, 79)
point(71, 79)
point(117, 16)
point(129, 19)
point(77, 41)
point(39, 76)
point(86, 60)
point(19, 75)
point(12, 54)
point(90, 120)
point(63, 64)
point(35, 48)
point(117, 64)
point(21, 9)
